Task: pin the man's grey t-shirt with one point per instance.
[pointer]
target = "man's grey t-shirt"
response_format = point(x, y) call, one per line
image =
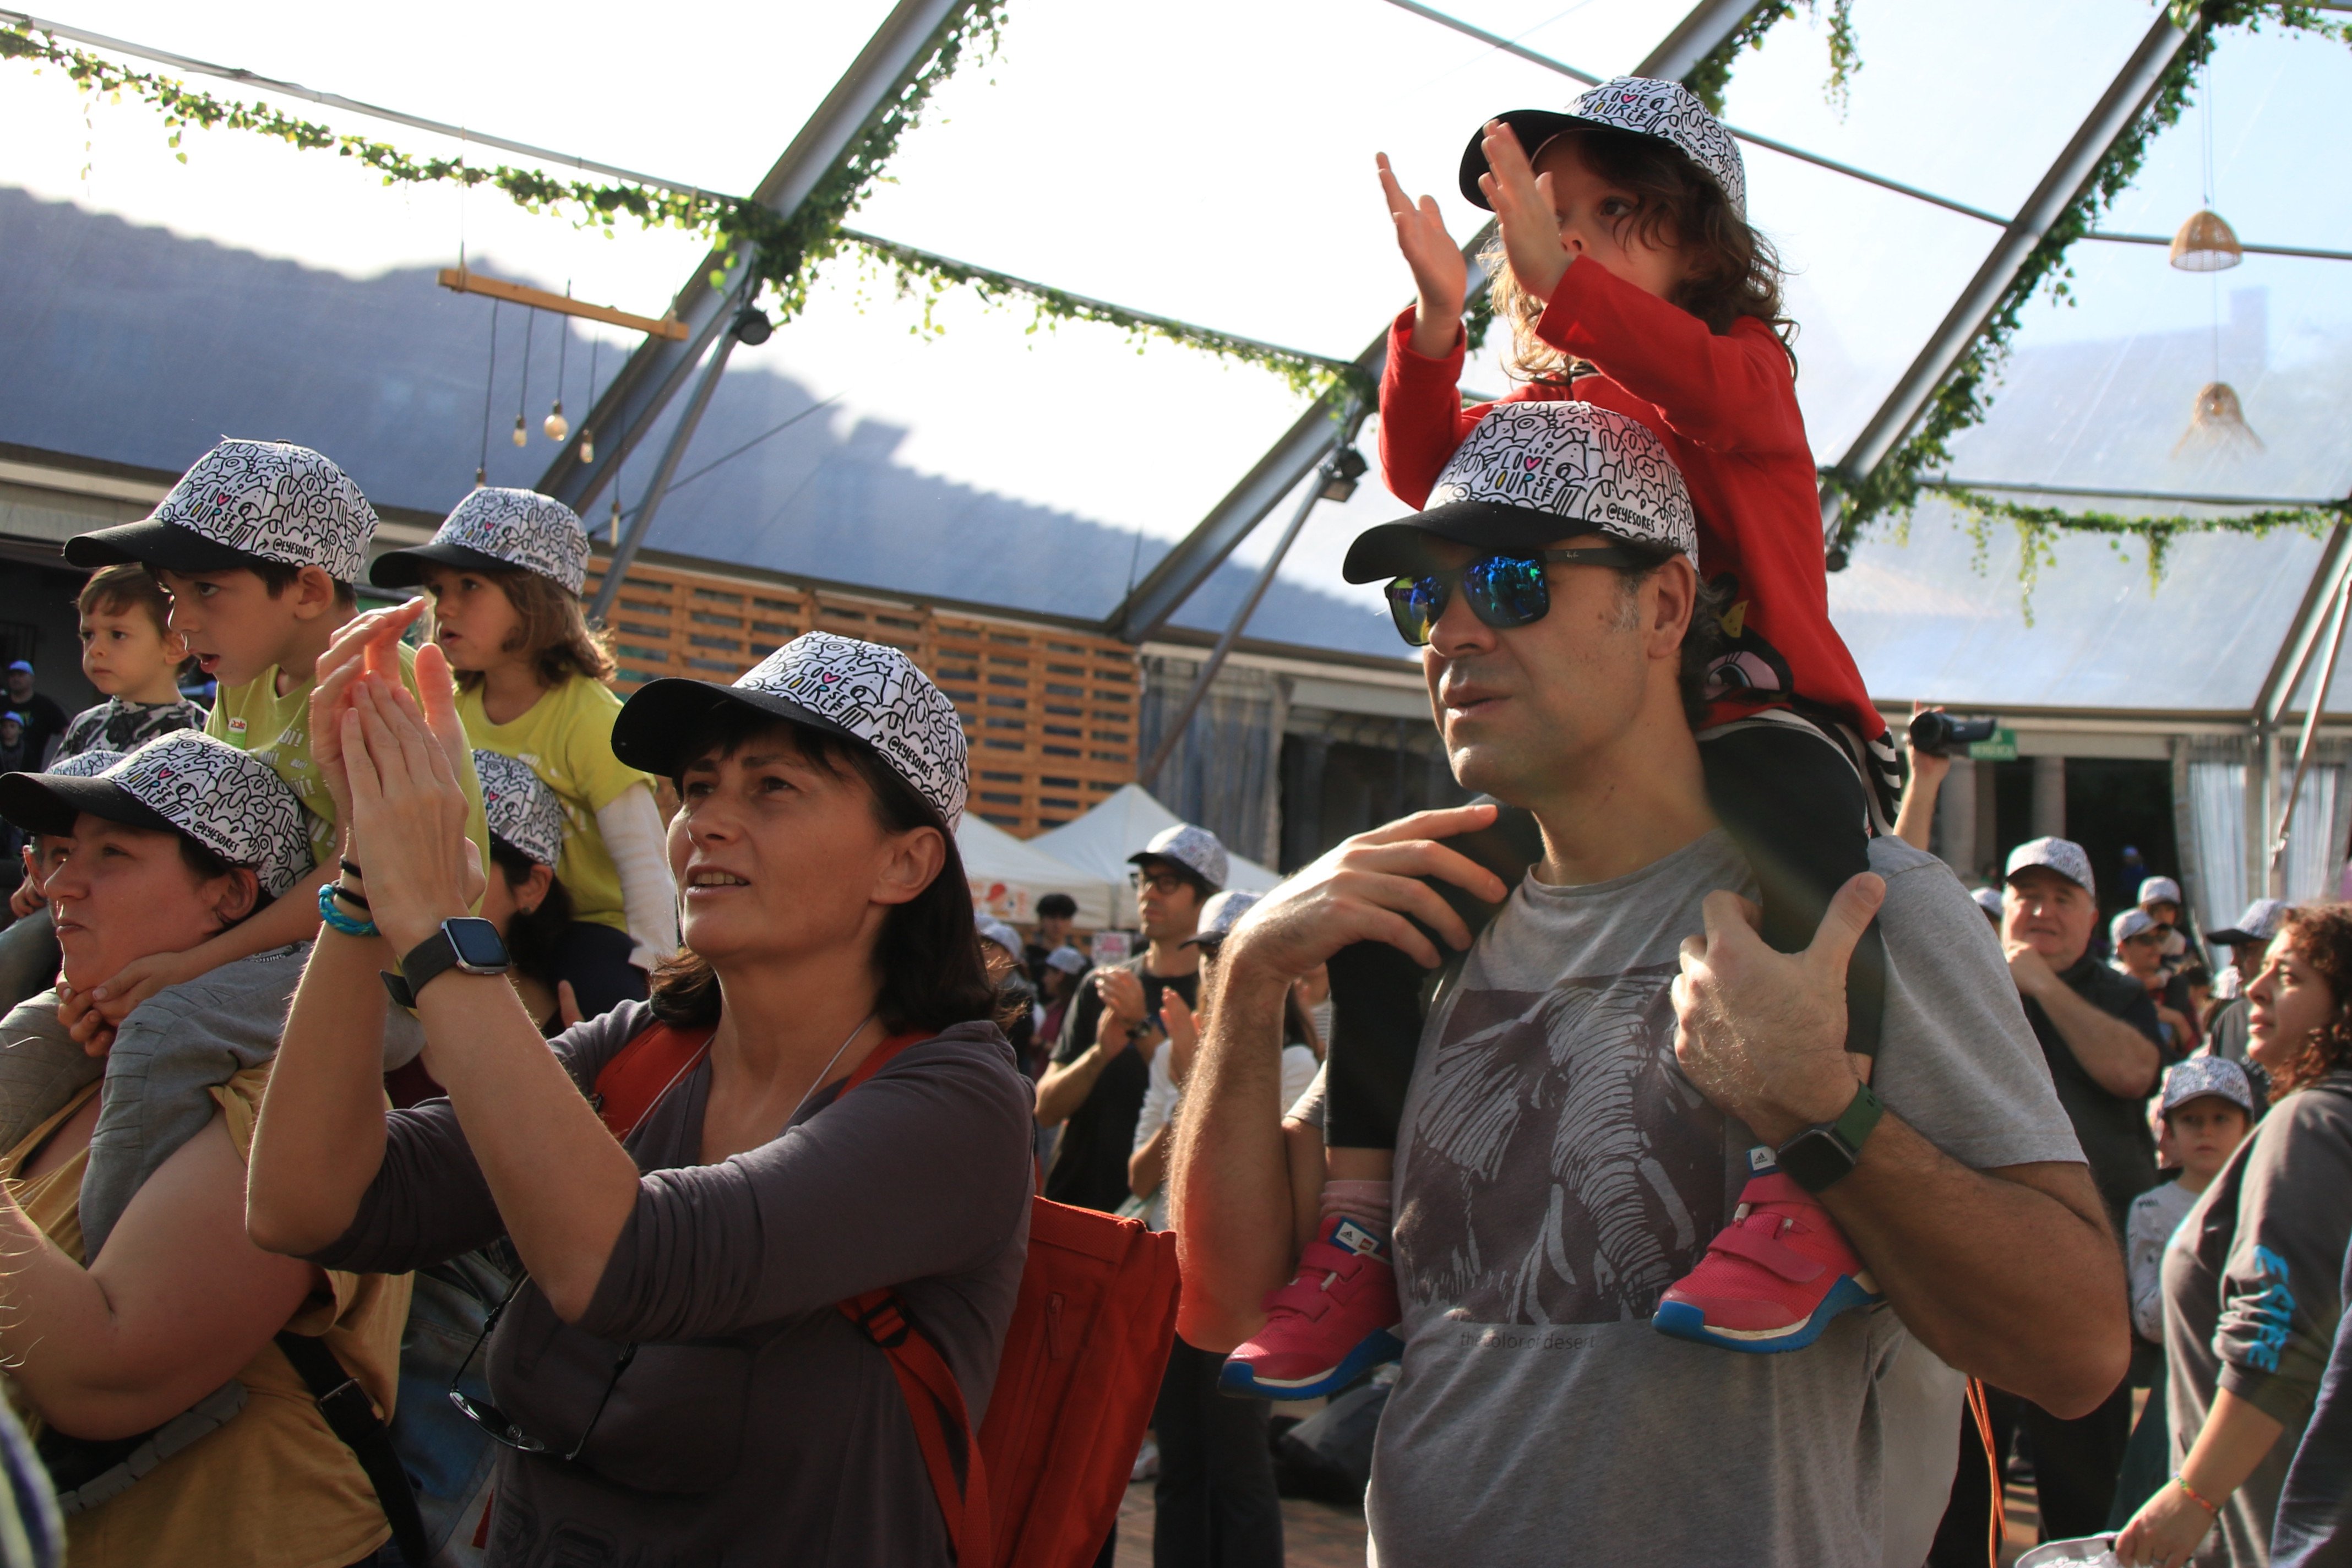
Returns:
point(1556, 1172)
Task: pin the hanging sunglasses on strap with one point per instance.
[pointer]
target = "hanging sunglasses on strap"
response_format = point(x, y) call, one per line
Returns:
point(1504, 591)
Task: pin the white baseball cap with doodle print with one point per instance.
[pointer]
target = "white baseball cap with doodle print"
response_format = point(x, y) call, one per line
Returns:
point(245, 501)
point(518, 807)
point(1531, 474)
point(229, 801)
point(495, 529)
point(866, 692)
point(1666, 111)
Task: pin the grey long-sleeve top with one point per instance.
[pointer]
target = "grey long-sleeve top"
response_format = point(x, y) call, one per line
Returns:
point(754, 1423)
point(2252, 1289)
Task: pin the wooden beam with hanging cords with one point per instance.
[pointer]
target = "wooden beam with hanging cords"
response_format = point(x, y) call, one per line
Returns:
point(464, 282)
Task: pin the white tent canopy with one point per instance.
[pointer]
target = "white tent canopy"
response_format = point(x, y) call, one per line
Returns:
point(1008, 876)
point(1099, 842)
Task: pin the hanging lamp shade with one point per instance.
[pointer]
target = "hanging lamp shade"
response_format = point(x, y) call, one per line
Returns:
point(2206, 243)
point(2217, 422)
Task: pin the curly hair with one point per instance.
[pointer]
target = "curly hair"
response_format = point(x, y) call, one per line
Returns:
point(2320, 935)
point(1734, 270)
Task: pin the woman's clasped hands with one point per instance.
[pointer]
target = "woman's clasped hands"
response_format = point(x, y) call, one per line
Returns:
point(394, 768)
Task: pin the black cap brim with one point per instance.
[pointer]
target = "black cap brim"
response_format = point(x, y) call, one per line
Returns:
point(49, 803)
point(1533, 127)
point(2233, 937)
point(405, 568)
point(1398, 548)
point(152, 543)
point(661, 718)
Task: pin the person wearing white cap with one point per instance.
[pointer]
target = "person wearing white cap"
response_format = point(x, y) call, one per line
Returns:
point(2226, 1031)
point(139, 1315)
point(504, 573)
point(2103, 1042)
point(1606, 1072)
point(2138, 943)
point(2206, 1109)
point(526, 899)
point(814, 1104)
point(1094, 1088)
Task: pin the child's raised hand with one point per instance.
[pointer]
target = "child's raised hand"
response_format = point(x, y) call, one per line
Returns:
point(1525, 212)
point(365, 643)
point(1439, 273)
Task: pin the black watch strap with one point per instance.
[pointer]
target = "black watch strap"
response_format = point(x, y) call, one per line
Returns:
point(427, 961)
point(1824, 1154)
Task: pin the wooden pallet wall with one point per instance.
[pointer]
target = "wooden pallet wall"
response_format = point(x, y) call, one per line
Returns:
point(1050, 713)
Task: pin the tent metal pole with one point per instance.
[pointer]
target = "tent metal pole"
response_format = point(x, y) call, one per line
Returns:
point(657, 370)
point(2276, 870)
point(2117, 108)
point(617, 568)
point(2302, 633)
point(1172, 733)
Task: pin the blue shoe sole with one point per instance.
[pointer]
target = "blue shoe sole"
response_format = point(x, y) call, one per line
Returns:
point(1685, 1322)
point(1237, 1378)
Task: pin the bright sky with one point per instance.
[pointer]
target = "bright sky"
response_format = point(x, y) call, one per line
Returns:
point(1212, 161)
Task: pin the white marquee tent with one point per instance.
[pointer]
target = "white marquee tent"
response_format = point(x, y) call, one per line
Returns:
point(1008, 876)
point(1099, 842)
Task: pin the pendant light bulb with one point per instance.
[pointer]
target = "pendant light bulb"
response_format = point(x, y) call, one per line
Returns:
point(556, 425)
point(521, 436)
point(617, 522)
point(587, 445)
point(2206, 243)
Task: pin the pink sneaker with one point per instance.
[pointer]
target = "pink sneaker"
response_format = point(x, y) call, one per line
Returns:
point(1328, 1326)
point(1780, 1270)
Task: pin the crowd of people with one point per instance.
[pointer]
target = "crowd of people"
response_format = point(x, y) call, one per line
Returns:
point(454, 1114)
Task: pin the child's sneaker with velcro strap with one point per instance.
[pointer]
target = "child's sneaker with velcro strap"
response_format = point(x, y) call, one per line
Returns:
point(1332, 1323)
point(1773, 1279)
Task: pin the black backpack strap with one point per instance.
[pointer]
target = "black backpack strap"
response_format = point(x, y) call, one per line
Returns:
point(352, 1418)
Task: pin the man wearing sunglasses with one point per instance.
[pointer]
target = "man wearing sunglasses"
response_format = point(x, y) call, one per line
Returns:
point(1603, 1071)
point(1093, 1090)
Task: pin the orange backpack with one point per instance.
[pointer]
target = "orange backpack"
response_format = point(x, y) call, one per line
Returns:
point(1039, 1484)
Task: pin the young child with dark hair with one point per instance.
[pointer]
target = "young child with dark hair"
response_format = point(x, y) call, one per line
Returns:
point(504, 572)
point(1630, 278)
point(131, 653)
point(258, 546)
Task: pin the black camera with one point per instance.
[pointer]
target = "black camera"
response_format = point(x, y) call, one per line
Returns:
point(1940, 734)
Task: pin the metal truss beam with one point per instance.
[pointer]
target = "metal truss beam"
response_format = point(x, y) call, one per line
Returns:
point(657, 371)
point(1196, 557)
point(2125, 97)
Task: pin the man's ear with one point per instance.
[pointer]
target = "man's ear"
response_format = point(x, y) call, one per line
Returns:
point(1673, 599)
point(533, 892)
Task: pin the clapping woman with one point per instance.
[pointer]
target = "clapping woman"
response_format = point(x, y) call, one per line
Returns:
point(675, 1382)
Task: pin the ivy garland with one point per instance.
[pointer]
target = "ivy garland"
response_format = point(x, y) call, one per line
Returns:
point(784, 251)
point(1961, 401)
point(1707, 78)
point(2038, 528)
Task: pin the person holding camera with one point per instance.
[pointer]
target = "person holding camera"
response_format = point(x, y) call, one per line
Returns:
point(1103, 1062)
point(1935, 738)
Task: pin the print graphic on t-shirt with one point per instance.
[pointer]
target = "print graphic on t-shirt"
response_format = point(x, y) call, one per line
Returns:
point(1564, 1170)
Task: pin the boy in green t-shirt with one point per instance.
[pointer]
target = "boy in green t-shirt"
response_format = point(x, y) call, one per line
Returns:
point(259, 545)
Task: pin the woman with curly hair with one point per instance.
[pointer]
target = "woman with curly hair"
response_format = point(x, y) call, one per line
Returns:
point(2252, 1278)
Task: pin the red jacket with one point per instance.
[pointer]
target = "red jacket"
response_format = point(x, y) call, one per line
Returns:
point(1726, 409)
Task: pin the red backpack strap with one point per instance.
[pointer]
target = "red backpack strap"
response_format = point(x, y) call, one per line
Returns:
point(943, 1427)
point(634, 1082)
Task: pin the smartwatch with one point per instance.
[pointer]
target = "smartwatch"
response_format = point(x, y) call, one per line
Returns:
point(465, 943)
point(1823, 1155)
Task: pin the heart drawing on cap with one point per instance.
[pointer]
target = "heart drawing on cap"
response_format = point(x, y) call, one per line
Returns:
point(1531, 462)
point(827, 677)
